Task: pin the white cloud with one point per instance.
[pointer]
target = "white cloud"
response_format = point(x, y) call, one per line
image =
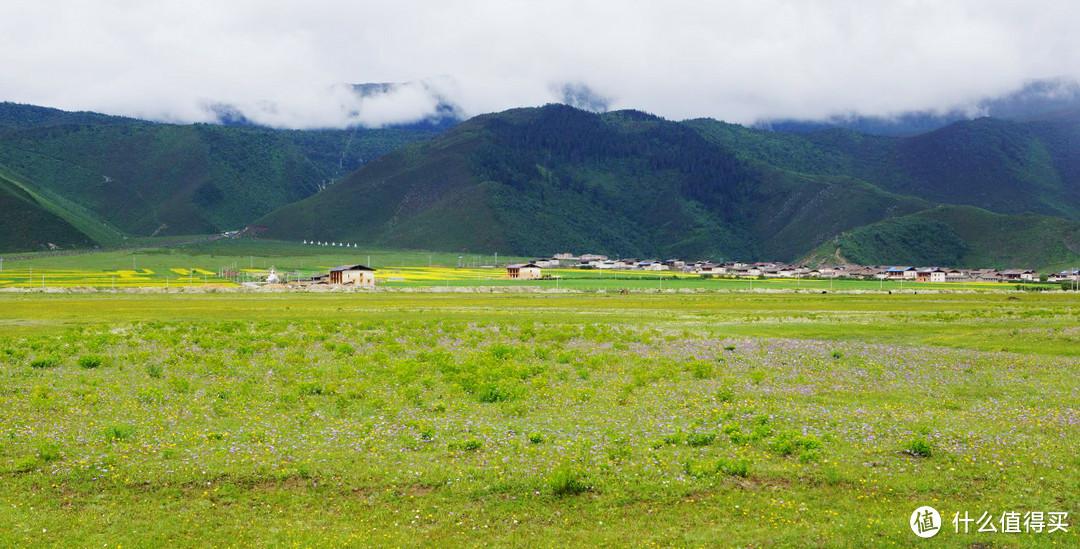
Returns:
point(283, 63)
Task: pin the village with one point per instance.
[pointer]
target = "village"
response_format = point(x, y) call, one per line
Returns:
point(737, 269)
point(363, 276)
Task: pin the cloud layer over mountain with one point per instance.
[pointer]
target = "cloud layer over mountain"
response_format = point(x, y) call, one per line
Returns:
point(287, 64)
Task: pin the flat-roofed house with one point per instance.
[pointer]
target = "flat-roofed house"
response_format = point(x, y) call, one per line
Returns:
point(523, 271)
point(357, 275)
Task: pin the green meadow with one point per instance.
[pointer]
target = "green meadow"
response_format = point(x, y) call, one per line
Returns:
point(203, 264)
point(245, 253)
point(535, 420)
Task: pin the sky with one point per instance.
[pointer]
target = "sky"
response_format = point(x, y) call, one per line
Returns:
point(290, 63)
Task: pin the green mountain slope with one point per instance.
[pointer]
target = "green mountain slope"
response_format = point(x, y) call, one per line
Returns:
point(538, 179)
point(556, 178)
point(999, 165)
point(794, 213)
point(71, 212)
point(396, 204)
point(543, 180)
point(147, 178)
point(961, 236)
point(28, 224)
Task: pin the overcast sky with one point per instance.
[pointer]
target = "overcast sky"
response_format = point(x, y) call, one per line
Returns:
point(284, 63)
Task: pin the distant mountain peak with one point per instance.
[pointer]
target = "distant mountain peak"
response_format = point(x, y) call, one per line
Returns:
point(1035, 99)
point(228, 115)
point(581, 96)
point(398, 105)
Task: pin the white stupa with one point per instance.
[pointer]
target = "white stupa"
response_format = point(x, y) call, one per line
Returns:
point(272, 278)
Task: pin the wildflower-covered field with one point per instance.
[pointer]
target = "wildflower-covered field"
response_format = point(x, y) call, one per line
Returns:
point(535, 420)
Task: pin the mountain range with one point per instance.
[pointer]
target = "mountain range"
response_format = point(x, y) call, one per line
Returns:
point(985, 192)
point(1035, 100)
point(111, 177)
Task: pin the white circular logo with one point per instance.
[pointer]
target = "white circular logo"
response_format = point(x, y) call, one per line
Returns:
point(925, 522)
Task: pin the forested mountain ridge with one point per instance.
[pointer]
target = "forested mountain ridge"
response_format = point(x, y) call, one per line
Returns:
point(631, 184)
point(549, 177)
point(143, 178)
point(27, 222)
point(999, 165)
point(556, 178)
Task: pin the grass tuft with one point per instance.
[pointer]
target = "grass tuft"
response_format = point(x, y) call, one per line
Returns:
point(45, 362)
point(567, 481)
point(919, 447)
point(89, 362)
point(121, 432)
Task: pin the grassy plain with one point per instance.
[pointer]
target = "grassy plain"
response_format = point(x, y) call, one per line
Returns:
point(173, 266)
point(200, 265)
point(685, 420)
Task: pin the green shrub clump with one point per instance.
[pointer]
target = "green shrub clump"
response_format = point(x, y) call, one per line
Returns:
point(567, 481)
point(789, 443)
point(90, 362)
point(700, 369)
point(470, 445)
point(723, 466)
point(919, 447)
point(45, 362)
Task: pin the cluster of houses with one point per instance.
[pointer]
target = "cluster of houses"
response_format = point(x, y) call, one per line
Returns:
point(362, 276)
point(878, 272)
point(737, 269)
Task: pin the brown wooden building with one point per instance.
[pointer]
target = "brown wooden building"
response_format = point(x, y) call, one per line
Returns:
point(357, 275)
point(523, 271)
